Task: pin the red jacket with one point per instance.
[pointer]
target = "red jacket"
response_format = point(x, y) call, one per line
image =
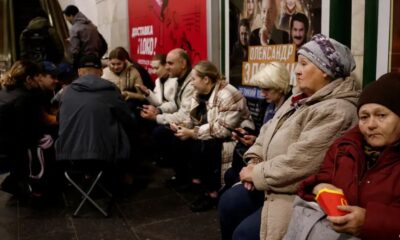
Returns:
point(377, 189)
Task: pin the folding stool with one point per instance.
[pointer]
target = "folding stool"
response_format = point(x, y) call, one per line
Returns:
point(93, 181)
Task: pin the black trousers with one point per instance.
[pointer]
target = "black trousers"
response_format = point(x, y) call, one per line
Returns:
point(191, 158)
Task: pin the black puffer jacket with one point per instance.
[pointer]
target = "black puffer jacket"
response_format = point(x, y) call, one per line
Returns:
point(20, 126)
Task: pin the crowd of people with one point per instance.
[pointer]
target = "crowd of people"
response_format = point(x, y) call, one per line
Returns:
point(323, 134)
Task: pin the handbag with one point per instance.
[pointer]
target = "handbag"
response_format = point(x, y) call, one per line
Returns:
point(309, 222)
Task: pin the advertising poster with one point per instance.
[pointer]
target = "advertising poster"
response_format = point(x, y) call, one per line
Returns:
point(262, 31)
point(157, 26)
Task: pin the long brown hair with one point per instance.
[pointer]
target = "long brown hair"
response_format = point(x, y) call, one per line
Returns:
point(119, 53)
point(207, 69)
point(18, 74)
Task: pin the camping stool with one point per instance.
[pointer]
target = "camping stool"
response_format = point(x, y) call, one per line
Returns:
point(86, 194)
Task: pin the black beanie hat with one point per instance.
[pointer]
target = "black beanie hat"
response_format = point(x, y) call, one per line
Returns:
point(384, 91)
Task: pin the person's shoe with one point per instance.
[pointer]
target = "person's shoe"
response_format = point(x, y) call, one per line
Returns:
point(203, 203)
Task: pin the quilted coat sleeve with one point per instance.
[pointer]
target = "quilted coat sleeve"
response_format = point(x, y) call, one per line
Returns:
point(303, 157)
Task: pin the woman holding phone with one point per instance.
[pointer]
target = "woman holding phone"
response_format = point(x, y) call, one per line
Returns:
point(273, 81)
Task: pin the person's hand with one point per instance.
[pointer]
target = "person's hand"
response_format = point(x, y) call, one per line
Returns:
point(174, 127)
point(149, 112)
point(246, 172)
point(350, 223)
point(143, 89)
point(184, 133)
point(245, 177)
point(235, 136)
point(248, 185)
point(125, 95)
point(320, 186)
point(248, 140)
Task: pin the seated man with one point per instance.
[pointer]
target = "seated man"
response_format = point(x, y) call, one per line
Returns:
point(88, 128)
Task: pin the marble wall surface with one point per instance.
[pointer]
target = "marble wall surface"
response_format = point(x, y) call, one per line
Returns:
point(357, 37)
point(110, 16)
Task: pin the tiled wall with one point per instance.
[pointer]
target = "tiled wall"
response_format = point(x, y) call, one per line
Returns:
point(357, 37)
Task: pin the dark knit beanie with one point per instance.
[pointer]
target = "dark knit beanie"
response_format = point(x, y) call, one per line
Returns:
point(384, 91)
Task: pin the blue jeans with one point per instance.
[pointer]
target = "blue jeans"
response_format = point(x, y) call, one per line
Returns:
point(240, 213)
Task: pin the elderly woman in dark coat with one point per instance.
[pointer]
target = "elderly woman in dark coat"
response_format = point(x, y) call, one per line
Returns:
point(365, 165)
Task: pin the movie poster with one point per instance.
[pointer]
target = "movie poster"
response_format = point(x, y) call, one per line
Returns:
point(262, 31)
point(157, 26)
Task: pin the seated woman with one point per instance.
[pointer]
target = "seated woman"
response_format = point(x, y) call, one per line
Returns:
point(365, 165)
point(122, 73)
point(273, 80)
point(291, 146)
point(216, 108)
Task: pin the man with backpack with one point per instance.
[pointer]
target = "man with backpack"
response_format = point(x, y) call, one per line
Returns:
point(39, 41)
point(84, 38)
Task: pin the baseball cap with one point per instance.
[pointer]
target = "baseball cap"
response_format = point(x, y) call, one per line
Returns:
point(49, 68)
point(90, 61)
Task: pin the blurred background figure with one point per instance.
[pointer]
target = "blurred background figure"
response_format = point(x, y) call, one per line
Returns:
point(239, 52)
point(268, 33)
point(84, 38)
point(39, 41)
point(288, 9)
point(298, 29)
point(251, 12)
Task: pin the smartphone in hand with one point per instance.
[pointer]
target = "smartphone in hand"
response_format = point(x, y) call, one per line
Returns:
point(236, 131)
point(240, 134)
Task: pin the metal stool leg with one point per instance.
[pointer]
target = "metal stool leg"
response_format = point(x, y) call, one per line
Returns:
point(86, 194)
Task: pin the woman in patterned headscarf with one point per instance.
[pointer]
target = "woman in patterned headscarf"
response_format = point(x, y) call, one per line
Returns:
point(291, 146)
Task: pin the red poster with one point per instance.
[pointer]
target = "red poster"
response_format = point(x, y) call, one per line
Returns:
point(157, 26)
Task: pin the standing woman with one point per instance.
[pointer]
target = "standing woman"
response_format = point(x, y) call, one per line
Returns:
point(216, 108)
point(20, 123)
point(122, 73)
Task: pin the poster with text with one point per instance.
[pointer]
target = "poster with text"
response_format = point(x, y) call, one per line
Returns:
point(256, 26)
point(261, 31)
point(157, 26)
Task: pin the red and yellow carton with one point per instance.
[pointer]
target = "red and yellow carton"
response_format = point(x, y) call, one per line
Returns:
point(329, 199)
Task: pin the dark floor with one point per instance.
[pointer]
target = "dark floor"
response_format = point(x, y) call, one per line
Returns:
point(152, 212)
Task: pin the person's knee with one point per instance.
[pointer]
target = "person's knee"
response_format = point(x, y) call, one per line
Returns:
point(241, 233)
point(249, 228)
point(229, 202)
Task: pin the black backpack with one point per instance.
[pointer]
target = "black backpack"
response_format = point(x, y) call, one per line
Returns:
point(38, 46)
